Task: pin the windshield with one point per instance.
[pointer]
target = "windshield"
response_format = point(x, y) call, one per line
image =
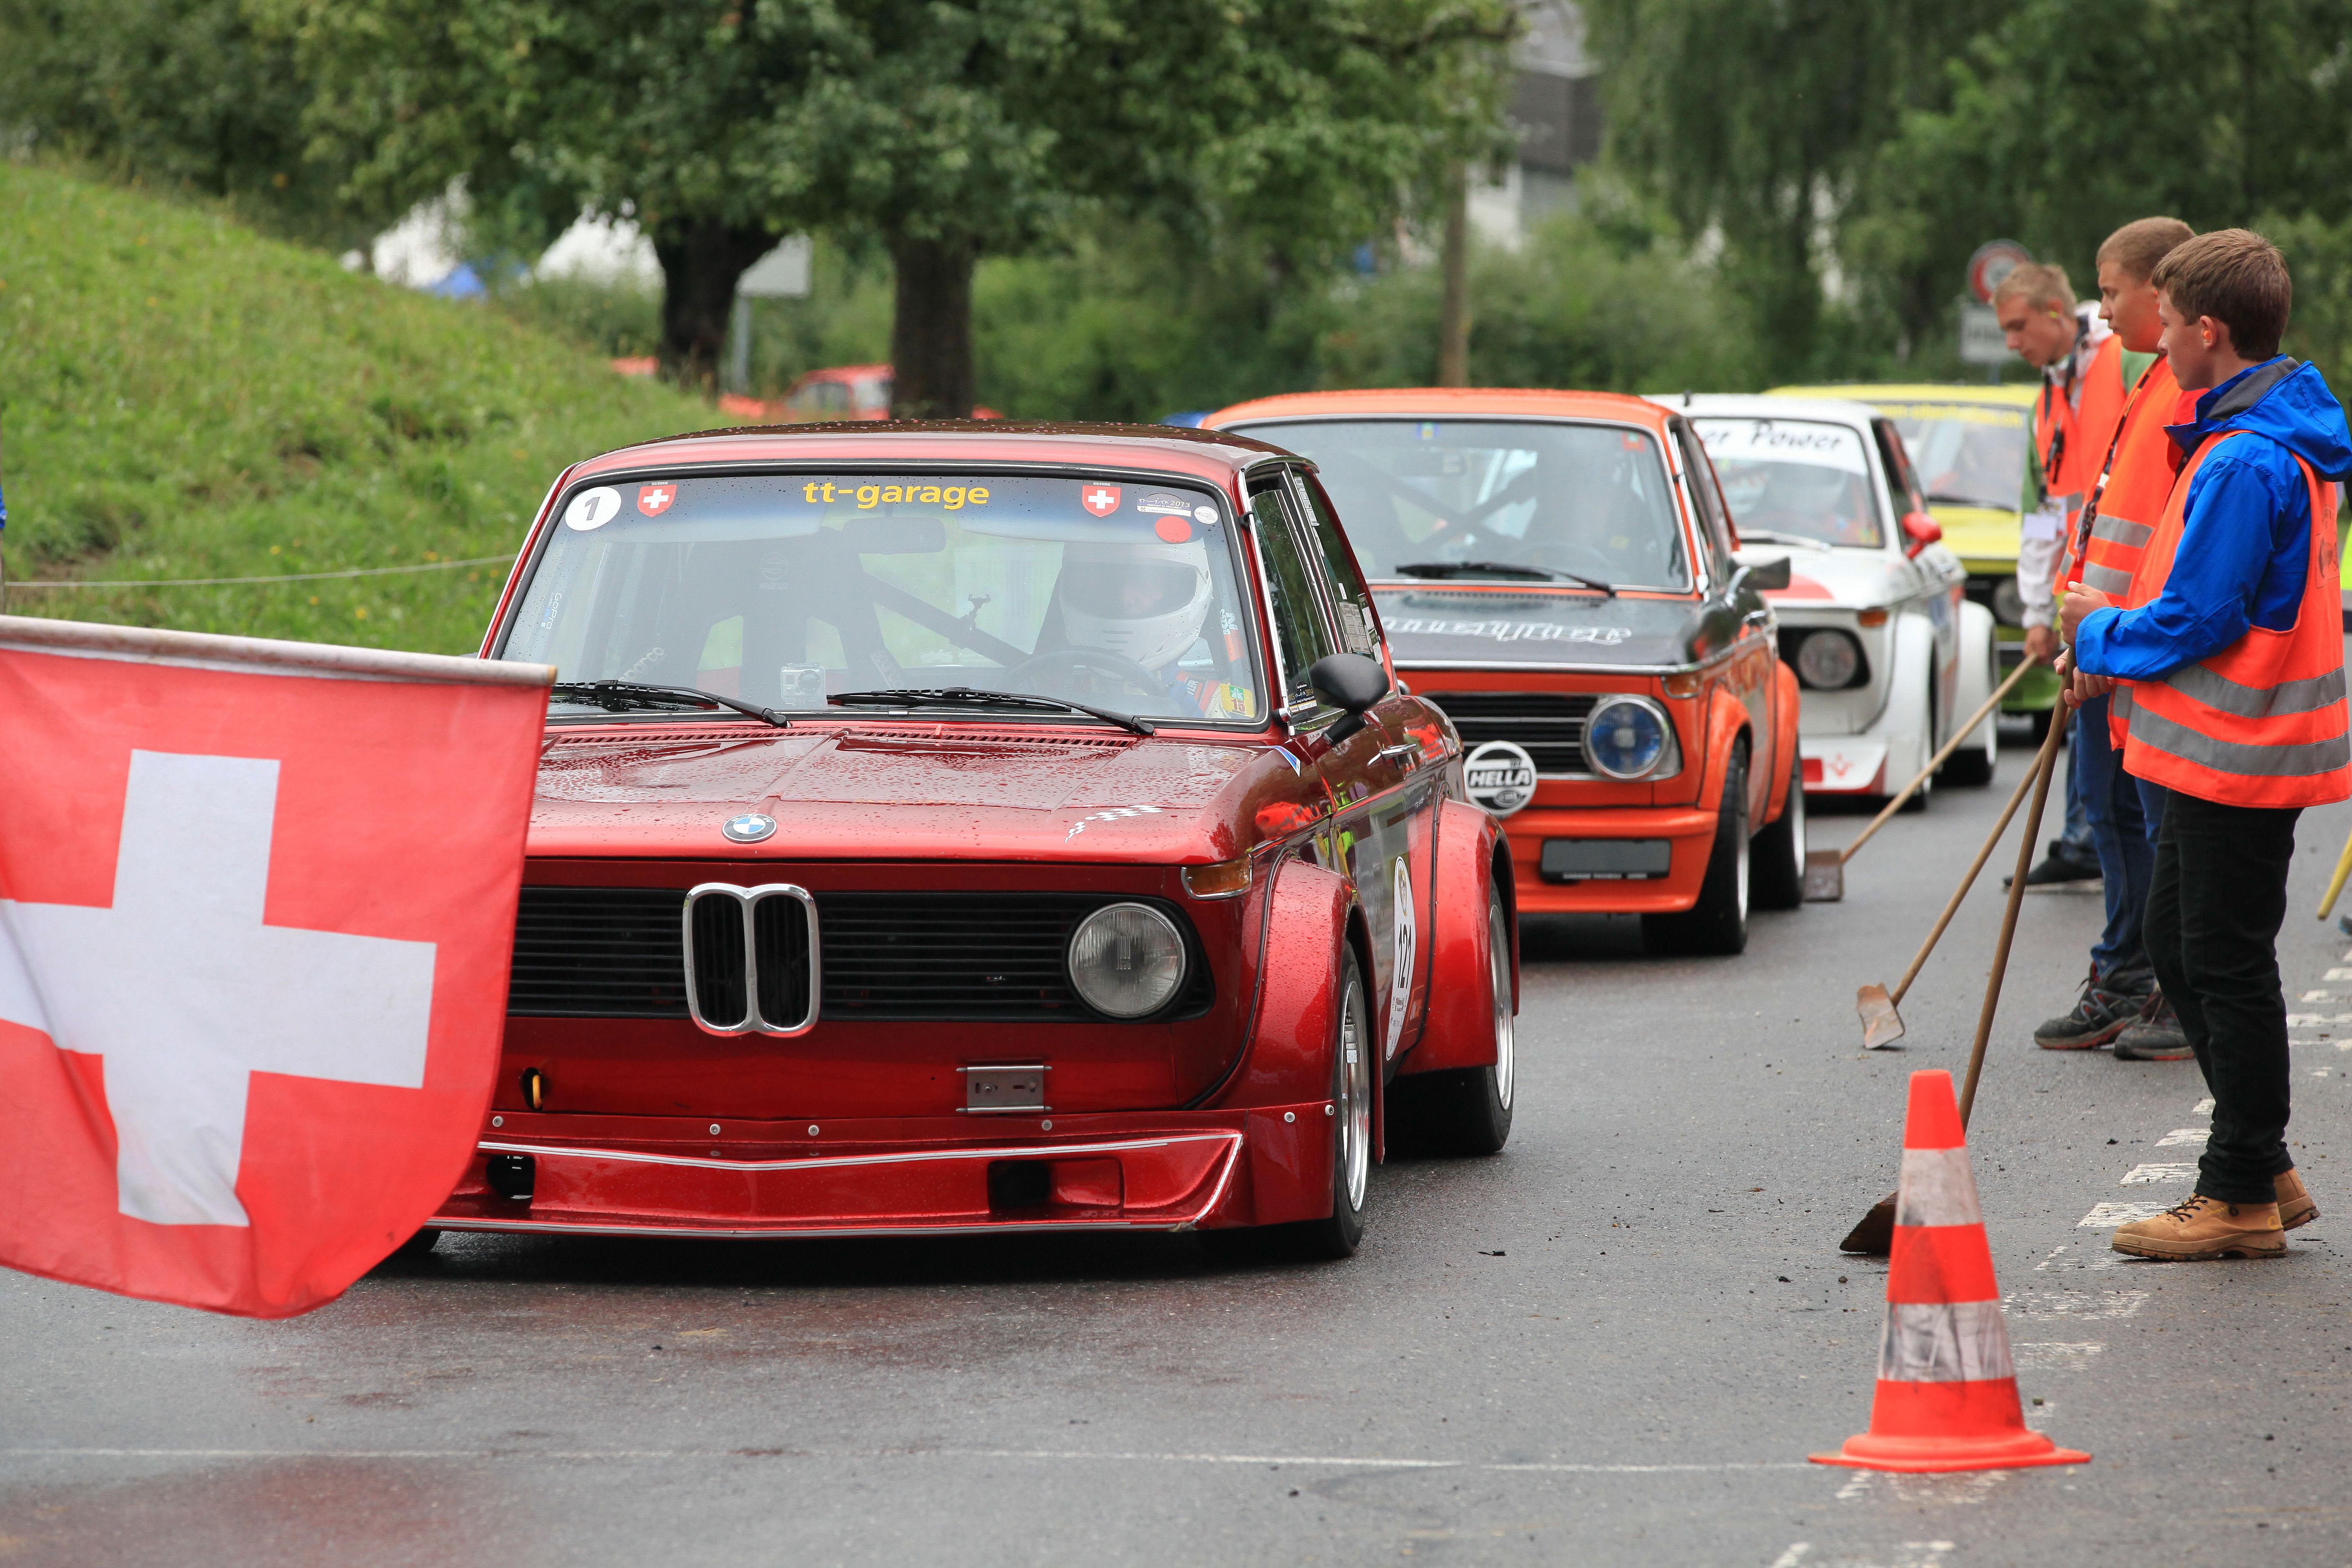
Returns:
point(1586, 500)
point(1965, 454)
point(780, 589)
point(1799, 476)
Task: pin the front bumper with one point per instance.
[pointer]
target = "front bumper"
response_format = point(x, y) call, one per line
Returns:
point(1842, 764)
point(1688, 832)
point(626, 1175)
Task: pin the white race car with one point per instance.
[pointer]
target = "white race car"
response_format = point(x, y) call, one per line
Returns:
point(1890, 653)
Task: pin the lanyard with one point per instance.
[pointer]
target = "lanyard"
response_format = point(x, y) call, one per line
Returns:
point(2091, 508)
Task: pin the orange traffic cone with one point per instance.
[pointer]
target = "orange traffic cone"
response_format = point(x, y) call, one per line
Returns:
point(1947, 1388)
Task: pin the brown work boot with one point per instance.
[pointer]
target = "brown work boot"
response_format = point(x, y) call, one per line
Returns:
point(2294, 1201)
point(2206, 1227)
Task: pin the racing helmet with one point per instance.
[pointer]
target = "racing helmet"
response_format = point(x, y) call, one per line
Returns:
point(1144, 602)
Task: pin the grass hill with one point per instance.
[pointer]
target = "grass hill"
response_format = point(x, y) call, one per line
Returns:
point(179, 398)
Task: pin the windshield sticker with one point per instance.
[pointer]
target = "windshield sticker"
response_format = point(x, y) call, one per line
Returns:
point(654, 500)
point(1782, 441)
point(1162, 503)
point(1116, 814)
point(954, 498)
point(1100, 500)
point(1511, 631)
point(592, 509)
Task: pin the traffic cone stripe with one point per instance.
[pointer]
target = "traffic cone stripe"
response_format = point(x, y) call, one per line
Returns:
point(1940, 1263)
point(1946, 1395)
point(1958, 1341)
point(1937, 1188)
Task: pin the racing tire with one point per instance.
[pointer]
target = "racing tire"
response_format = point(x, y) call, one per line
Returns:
point(2042, 719)
point(1778, 881)
point(1718, 922)
point(1974, 766)
point(1918, 801)
point(1352, 1132)
point(417, 1247)
point(1466, 1111)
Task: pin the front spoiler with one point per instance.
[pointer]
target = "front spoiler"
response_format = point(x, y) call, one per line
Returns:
point(1174, 1171)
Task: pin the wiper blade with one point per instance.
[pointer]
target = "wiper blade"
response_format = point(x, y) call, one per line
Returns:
point(1766, 536)
point(1504, 569)
point(615, 696)
point(973, 697)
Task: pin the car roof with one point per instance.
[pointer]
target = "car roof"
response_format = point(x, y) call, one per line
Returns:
point(1205, 454)
point(1767, 406)
point(2011, 395)
point(1447, 403)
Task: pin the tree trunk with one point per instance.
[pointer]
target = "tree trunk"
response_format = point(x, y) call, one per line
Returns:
point(702, 259)
point(930, 329)
point(1453, 305)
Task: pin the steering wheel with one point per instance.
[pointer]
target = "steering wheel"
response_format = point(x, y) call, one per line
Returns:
point(1073, 660)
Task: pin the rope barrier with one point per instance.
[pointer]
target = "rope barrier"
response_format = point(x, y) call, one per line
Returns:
point(283, 577)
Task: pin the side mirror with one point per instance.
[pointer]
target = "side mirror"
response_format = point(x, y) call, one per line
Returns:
point(1769, 576)
point(1351, 682)
point(1921, 531)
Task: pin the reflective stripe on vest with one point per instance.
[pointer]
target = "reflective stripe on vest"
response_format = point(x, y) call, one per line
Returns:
point(2263, 723)
point(2133, 489)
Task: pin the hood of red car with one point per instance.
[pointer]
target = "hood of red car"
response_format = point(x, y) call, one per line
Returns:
point(896, 792)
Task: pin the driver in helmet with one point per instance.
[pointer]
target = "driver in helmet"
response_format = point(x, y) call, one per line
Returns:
point(1144, 605)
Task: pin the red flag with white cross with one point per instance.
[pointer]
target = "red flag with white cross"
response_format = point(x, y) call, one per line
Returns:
point(257, 907)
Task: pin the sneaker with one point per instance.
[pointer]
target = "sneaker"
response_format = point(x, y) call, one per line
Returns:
point(2064, 868)
point(2203, 1228)
point(2295, 1204)
point(2154, 1036)
point(2099, 1016)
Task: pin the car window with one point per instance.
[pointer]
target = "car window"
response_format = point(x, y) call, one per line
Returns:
point(1300, 632)
point(1805, 479)
point(1352, 602)
point(1902, 479)
point(1706, 499)
point(1550, 495)
point(782, 589)
point(1966, 454)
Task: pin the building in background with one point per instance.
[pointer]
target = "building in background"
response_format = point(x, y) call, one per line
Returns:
point(1556, 107)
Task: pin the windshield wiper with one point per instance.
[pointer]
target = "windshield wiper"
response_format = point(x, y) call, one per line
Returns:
point(971, 697)
point(1939, 498)
point(1502, 569)
point(1766, 536)
point(613, 695)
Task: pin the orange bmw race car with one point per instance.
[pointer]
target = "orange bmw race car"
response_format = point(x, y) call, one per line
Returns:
point(1556, 570)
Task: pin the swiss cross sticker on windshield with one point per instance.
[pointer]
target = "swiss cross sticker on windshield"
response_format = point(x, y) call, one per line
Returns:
point(791, 589)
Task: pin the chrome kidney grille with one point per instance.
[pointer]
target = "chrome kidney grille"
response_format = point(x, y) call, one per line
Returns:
point(751, 959)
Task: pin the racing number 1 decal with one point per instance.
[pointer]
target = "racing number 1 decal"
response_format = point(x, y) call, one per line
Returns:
point(1403, 924)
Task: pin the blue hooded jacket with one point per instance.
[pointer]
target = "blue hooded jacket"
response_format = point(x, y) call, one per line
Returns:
point(2245, 541)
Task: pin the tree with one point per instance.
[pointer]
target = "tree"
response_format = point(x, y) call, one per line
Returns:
point(950, 128)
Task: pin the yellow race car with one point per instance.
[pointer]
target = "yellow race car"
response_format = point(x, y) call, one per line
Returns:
point(1973, 450)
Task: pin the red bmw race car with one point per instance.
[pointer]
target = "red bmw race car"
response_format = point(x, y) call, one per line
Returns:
point(953, 828)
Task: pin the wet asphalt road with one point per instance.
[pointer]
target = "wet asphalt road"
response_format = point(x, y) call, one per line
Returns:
point(1614, 1343)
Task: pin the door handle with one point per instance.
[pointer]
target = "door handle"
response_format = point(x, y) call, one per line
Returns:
point(1399, 753)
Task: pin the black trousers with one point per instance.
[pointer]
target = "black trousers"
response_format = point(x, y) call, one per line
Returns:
point(2213, 912)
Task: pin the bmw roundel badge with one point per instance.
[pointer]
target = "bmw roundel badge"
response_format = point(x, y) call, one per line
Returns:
point(750, 827)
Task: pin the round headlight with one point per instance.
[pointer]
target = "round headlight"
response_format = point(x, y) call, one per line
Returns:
point(1828, 660)
point(1127, 960)
point(1624, 739)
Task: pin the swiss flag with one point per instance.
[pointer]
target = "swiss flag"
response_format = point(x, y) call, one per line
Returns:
point(257, 904)
point(1100, 500)
point(654, 500)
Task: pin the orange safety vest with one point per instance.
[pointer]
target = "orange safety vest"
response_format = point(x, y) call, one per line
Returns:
point(2131, 493)
point(2074, 441)
point(2262, 722)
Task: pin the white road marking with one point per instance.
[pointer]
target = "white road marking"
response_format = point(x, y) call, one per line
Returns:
point(2316, 996)
point(2180, 1137)
point(2055, 1355)
point(2340, 974)
point(1315, 1462)
point(2148, 1176)
point(1794, 1555)
point(2312, 1020)
point(2202, 1108)
point(2106, 1216)
point(2058, 1260)
point(2071, 1306)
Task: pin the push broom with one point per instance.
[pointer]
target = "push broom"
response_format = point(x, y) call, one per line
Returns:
point(1876, 1234)
point(1825, 868)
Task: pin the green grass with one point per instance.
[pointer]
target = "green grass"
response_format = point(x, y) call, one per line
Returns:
point(179, 398)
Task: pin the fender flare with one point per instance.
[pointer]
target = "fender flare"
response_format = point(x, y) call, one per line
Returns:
point(1459, 1030)
point(1787, 701)
point(1287, 1059)
point(1726, 729)
point(1907, 698)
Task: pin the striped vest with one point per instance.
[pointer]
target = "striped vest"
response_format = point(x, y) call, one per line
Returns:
point(2132, 492)
point(2263, 721)
point(2073, 442)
